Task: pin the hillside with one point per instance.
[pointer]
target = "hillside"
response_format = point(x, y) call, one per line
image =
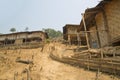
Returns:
point(43, 67)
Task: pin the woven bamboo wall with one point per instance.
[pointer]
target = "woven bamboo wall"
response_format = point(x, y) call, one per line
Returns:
point(93, 37)
point(113, 16)
point(22, 35)
point(101, 28)
point(72, 30)
point(41, 35)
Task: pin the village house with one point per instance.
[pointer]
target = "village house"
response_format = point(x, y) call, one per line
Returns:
point(23, 37)
point(102, 24)
point(71, 34)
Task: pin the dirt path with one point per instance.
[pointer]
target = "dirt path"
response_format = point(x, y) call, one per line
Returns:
point(53, 70)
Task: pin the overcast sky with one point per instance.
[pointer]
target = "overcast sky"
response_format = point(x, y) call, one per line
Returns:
point(38, 14)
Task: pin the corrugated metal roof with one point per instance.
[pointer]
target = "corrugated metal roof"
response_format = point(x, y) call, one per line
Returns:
point(21, 33)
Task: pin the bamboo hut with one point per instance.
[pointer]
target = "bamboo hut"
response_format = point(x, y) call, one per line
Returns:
point(23, 37)
point(72, 35)
point(102, 24)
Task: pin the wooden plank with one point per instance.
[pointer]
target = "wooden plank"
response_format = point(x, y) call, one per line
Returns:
point(24, 61)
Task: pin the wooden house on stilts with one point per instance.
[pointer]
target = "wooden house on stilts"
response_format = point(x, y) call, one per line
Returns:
point(101, 24)
point(71, 33)
point(23, 38)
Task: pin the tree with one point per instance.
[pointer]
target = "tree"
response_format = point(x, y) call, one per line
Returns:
point(52, 33)
point(12, 30)
point(26, 29)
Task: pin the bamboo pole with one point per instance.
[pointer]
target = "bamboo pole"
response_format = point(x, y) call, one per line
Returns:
point(101, 54)
point(97, 74)
point(86, 34)
point(69, 39)
point(78, 39)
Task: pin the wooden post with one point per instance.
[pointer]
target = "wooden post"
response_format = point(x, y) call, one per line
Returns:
point(101, 54)
point(113, 54)
point(15, 75)
point(86, 34)
point(88, 67)
point(78, 39)
point(90, 56)
point(28, 74)
point(97, 74)
point(69, 39)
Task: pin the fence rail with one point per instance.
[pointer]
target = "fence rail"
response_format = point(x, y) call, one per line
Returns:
point(107, 65)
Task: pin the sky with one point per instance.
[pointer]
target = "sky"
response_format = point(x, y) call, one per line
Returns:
point(39, 14)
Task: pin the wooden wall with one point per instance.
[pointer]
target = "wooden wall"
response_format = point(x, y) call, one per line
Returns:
point(36, 34)
point(18, 38)
point(72, 30)
point(108, 22)
point(113, 16)
point(93, 37)
point(102, 30)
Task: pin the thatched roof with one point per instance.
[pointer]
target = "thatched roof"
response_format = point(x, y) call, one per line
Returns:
point(90, 13)
point(69, 25)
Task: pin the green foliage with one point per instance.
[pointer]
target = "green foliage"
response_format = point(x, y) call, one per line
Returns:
point(47, 41)
point(52, 33)
point(12, 30)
